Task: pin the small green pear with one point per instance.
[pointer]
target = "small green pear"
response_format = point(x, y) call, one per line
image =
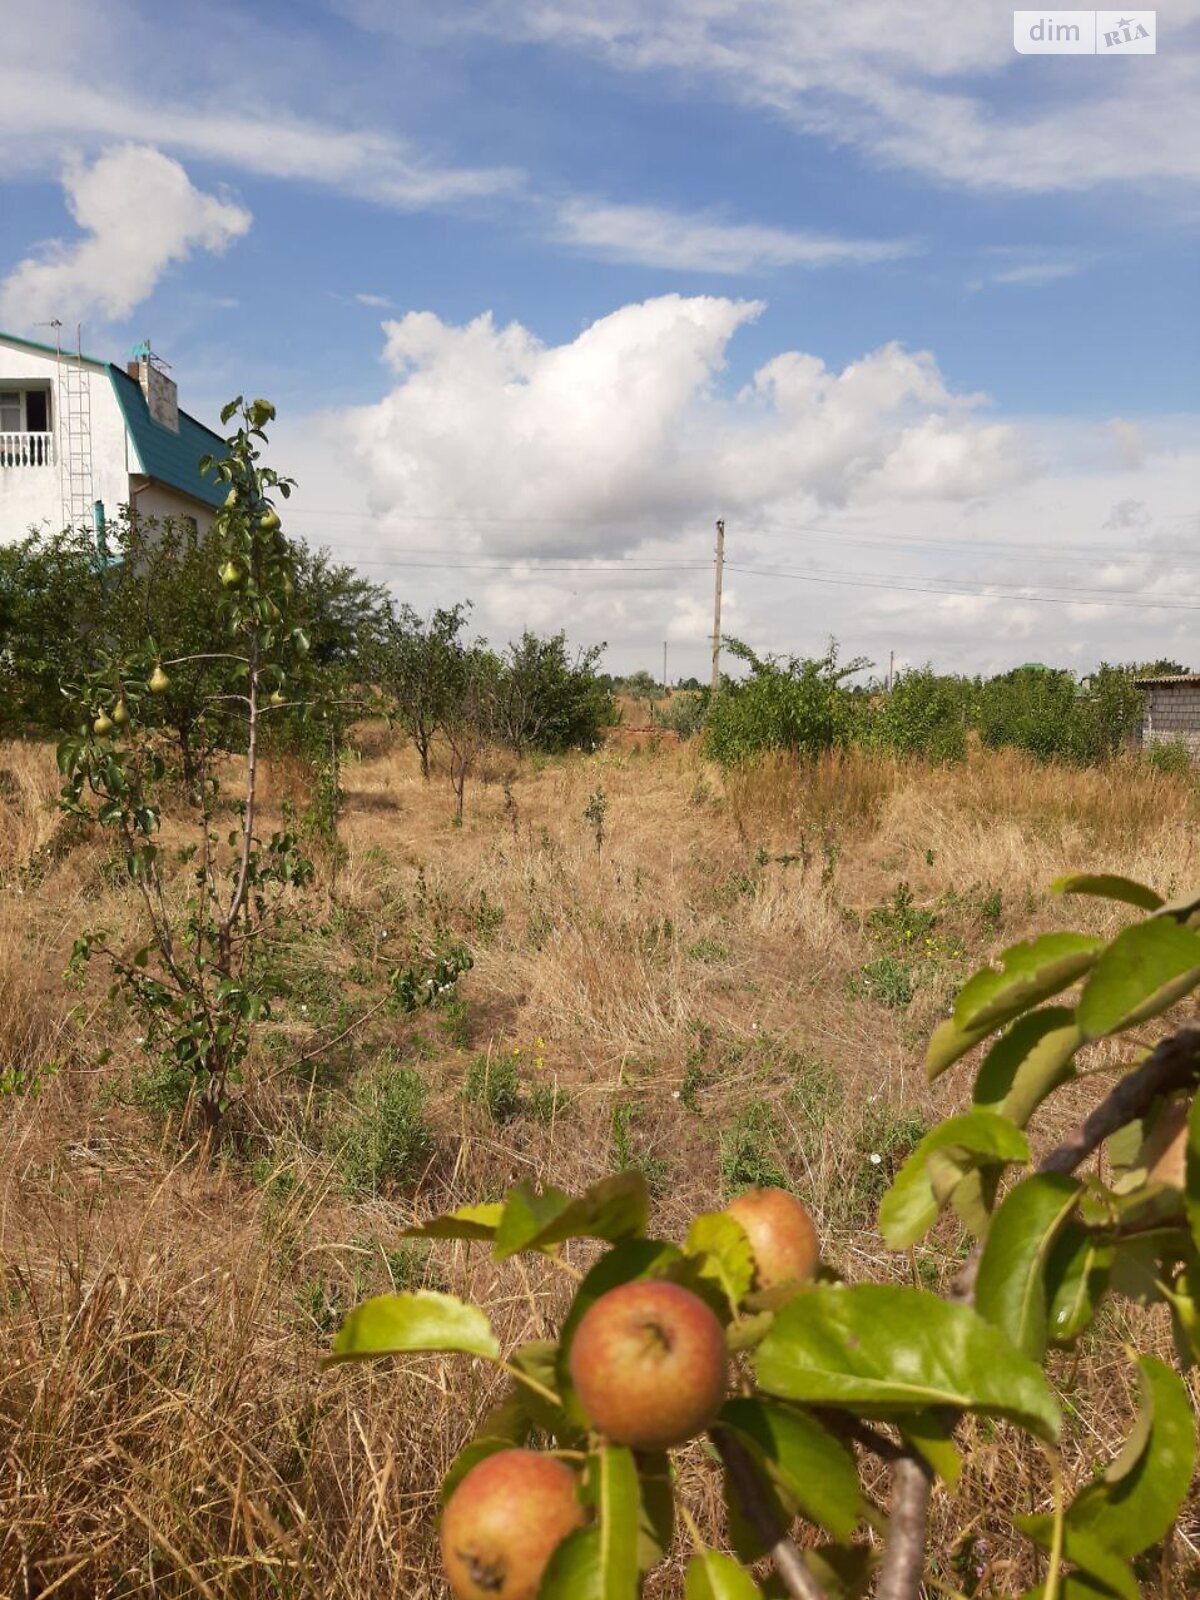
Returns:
point(103, 725)
point(231, 575)
point(120, 713)
point(278, 698)
point(269, 522)
point(159, 682)
point(231, 499)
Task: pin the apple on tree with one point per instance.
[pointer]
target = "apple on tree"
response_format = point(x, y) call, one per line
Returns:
point(783, 1238)
point(503, 1523)
point(649, 1364)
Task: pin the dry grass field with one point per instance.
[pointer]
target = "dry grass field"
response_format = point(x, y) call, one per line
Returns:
point(734, 985)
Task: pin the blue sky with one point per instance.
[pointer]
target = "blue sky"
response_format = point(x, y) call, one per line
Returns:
point(899, 303)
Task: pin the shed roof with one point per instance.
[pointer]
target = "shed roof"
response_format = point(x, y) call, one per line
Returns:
point(1169, 677)
point(169, 457)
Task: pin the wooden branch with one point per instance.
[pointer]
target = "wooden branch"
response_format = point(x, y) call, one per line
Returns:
point(904, 1557)
point(743, 1475)
point(1173, 1064)
point(243, 878)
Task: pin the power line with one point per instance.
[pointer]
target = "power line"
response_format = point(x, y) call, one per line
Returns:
point(530, 569)
point(977, 594)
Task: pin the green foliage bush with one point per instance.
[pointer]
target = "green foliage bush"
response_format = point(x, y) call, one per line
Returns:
point(385, 1141)
point(1172, 757)
point(684, 714)
point(494, 1084)
point(786, 703)
point(924, 715)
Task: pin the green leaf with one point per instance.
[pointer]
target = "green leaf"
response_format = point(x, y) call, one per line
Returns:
point(1033, 1058)
point(656, 1515)
point(1108, 886)
point(814, 1474)
point(393, 1324)
point(526, 1213)
point(1087, 1552)
point(1144, 970)
point(1192, 1170)
point(538, 1359)
point(1072, 1586)
point(613, 1490)
point(1138, 1499)
point(1077, 1270)
point(615, 1208)
point(723, 1253)
point(1029, 972)
point(574, 1571)
point(467, 1222)
point(1010, 1288)
point(713, 1576)
point(881, 1349)
point(948, 1042)
point(978, 1138)
point(843, 1570)
point(932, 1434)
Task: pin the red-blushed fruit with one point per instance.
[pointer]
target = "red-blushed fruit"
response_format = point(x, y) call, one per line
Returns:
point(781, 1234)
point(649, 1365)
point(503, 1523)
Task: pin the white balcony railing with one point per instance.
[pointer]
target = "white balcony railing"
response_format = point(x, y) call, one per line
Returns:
point(26, 449)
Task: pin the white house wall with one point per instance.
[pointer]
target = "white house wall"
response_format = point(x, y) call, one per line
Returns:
point(157, 501)
point(31, 497)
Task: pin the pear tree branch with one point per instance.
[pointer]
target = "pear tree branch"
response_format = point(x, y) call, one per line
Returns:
point(1172, 1065)
point(743, 1475)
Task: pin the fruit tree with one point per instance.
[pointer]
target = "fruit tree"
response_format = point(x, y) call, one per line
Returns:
point(795, 1381)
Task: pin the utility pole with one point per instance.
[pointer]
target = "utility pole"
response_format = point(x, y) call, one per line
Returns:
point(665, 690)
point(891, 669)
point(716, 639)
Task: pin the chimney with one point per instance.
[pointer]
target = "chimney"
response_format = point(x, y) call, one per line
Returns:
point(161, 391)
point(134, 369)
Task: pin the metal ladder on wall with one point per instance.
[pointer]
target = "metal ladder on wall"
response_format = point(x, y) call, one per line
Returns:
point(75, 437)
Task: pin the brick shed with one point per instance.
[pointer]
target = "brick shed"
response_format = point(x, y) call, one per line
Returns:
point(1171, 711)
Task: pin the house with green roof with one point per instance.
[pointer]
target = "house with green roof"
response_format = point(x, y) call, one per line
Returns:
point(81, 438)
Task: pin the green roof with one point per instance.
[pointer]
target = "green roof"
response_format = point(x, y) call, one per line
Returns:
point(49, 349)
point(169, 457)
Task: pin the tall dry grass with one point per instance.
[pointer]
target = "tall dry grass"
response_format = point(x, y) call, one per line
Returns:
point(696, 990)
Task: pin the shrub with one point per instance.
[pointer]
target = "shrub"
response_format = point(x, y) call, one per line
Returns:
point(494, 1084)
point(385, 1141)
point(743, 1161)
point(792, 704)
point(1172, 757)
point(684, 714)
point(924, 715)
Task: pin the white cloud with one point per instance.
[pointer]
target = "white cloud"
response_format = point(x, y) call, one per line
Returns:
point(1128, 441)
point(378, 302)
point(44, 109)
point(655, 236)
point(139, 213)
point(1032, 274)
point(922, 88)
point(576, 485)
point(591, 443)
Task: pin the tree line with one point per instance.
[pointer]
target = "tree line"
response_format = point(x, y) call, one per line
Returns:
point(809, 704)
point(162, 590)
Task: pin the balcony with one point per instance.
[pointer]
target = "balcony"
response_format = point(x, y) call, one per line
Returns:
point(27, 450)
